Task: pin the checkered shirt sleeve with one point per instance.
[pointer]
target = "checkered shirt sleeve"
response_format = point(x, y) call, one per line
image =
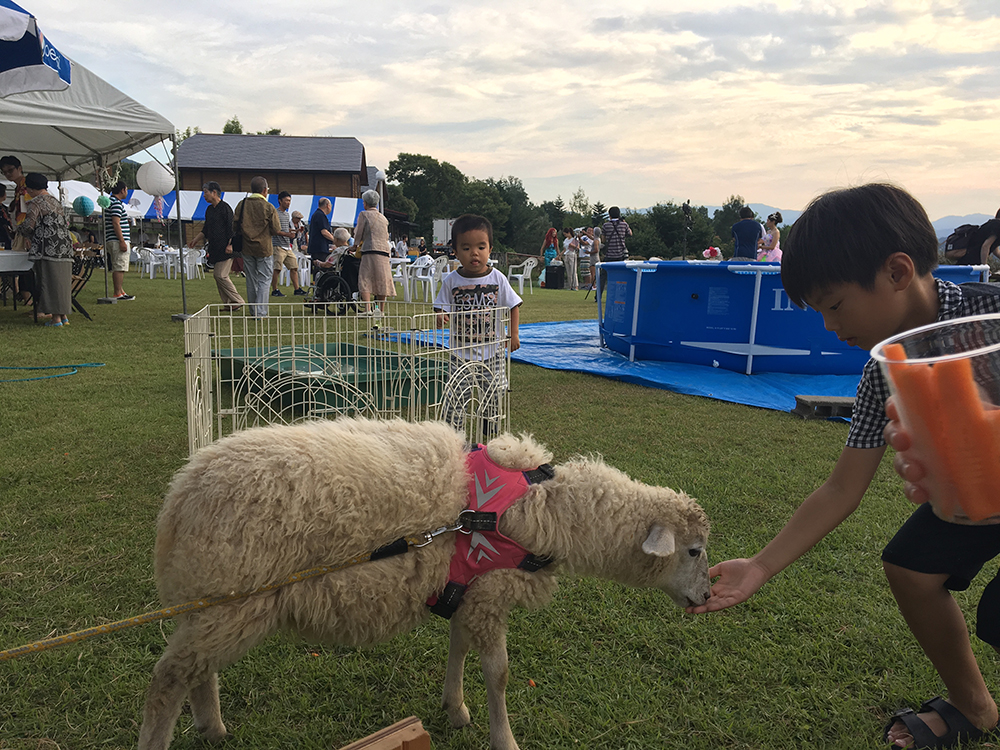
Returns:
point(868, 419)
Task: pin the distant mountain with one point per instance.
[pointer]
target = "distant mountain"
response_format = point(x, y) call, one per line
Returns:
point(763, 211)
point(942, 227)
point(946, 225)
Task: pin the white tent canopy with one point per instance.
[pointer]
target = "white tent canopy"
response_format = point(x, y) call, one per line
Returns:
point(65, 134)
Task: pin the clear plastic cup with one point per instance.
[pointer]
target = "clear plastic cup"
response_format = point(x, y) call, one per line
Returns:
point(945, 380)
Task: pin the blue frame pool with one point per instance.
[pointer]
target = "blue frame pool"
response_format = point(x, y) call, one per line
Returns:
point(730, 315)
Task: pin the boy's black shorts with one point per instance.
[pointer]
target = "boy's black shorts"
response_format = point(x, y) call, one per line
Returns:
point(926, 544)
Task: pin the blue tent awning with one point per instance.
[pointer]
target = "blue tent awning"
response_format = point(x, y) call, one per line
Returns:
point(28, 61)
point(345, 210)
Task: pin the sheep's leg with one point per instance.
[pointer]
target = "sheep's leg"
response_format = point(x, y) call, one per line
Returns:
point(454, 698)
point(494, 658)
point(165, 697)
point(206, 711)
point(201, 646)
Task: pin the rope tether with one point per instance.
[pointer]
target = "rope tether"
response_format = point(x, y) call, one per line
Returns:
point(401, 545)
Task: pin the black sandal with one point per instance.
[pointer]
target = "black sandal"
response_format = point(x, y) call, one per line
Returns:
point(960, 729)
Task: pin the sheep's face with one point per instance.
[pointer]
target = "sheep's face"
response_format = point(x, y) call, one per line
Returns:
point(680, 563)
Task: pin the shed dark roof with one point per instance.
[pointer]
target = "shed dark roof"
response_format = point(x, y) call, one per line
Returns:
point(279, 153)
point(370, 181)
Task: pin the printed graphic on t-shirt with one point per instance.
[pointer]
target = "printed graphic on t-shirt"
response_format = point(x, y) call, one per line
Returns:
point(479, 324)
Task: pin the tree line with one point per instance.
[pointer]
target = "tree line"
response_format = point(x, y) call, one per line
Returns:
point(428, 189)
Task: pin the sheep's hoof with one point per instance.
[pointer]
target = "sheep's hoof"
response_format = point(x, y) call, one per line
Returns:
point(459, 717)
point(214, 734)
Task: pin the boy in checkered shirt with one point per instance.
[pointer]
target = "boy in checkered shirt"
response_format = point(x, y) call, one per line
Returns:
point(863, 258)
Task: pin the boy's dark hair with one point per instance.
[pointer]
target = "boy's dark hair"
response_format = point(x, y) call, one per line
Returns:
point(746, 212)
point(284, 194)
point(9, 161)
point(117, 187)
point(470, 223)
point(614, 212)
point(845, 236)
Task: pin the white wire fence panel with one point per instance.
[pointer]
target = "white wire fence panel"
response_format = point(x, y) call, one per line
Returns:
point(305, 361)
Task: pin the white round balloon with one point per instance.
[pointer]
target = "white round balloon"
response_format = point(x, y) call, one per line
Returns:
point(154, 178)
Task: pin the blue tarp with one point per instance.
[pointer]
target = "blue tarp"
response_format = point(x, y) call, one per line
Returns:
point(575, 346)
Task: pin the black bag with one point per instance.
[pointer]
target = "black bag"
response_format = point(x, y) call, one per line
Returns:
point(959, 239)
point(237, 241)
point(555, 277)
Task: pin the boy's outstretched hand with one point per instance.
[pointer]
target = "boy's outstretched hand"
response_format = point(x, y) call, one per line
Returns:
point(738, 581)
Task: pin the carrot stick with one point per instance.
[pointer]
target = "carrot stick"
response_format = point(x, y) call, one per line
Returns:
point(969, 439)
point(917, 393)
point(993, 420)
point(895, 353)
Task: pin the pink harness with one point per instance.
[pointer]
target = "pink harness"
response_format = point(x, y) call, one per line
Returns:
point(481, 547)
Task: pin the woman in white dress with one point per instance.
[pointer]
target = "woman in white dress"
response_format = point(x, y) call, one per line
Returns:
point(769, 246)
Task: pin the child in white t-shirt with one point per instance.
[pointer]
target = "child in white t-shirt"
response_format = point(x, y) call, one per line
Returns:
point(470, 302)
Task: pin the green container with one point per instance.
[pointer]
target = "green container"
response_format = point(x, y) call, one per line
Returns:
point(289, 383)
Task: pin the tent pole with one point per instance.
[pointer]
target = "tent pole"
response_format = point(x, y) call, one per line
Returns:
point(107, 299)
point(180, 231)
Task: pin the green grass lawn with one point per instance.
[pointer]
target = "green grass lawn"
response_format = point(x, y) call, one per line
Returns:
point(817, 658)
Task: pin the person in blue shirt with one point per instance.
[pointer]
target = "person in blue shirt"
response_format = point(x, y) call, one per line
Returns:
point(746, 232)
point(320, 231)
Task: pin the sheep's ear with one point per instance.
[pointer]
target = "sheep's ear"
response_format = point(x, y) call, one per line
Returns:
point(660, 542)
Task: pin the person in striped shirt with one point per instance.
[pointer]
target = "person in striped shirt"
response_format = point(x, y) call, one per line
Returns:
point(615, 230)
point(116, 239)
point(284, 249)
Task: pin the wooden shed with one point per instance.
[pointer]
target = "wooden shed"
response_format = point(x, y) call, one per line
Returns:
point(333, 166)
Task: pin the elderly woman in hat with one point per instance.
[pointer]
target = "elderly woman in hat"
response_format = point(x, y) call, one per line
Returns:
point(372, 236)
point(301, 229)
point(46, 232)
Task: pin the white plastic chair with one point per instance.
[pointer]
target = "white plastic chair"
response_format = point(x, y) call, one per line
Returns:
point(171, 262)
point(440, 269)
point(424, 271)
point(149, 262)
point(401, 275)
point(305, 270)
point(398, 272)
point(192, 264)
point(522, 271)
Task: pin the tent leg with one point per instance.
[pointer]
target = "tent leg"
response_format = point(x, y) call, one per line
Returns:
point(107, 299)
point(179, 317)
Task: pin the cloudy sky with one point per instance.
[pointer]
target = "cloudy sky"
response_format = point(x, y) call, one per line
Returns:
point(635, 103)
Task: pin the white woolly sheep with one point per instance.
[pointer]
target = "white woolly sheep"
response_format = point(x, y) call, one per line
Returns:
point(259, 505)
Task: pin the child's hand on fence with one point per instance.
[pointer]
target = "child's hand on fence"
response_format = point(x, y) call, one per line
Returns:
point(442, 320)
